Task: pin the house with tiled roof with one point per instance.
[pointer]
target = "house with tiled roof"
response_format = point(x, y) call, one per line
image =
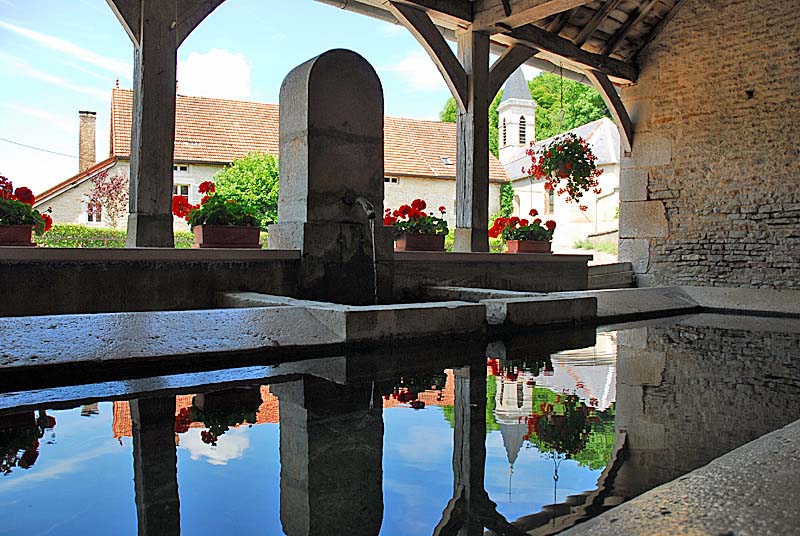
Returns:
point(517, 128)
point(419, 156)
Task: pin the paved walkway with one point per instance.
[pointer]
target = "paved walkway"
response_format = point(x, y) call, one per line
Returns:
point(600, 257)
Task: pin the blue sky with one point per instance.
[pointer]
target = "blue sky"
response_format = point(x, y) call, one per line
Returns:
point(61, 56)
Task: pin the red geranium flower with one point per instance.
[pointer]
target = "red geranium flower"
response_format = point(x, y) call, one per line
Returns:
point(419, 204)
point(207, 187)
point(550, 224)
point(389, 220)
point(24, 195)
point(48, 222)
point(442, 209)
point(533, 212)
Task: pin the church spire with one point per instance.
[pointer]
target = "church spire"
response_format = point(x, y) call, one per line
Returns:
point(516, 116)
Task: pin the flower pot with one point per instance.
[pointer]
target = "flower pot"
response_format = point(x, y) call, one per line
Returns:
point(16, 235)
point(419, 242)
point(226, 236)
point(528, 246)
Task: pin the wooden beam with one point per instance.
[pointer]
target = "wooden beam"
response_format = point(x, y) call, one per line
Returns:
point(455, 9)
point(633, 20)
point(488, 14)
point(614, 103)
point(501, 69)
point(563, 48)
point(598, 18)
point(660, 26)
point(426, 33)
point(129, 14)
point(558, 23)
point(191, 13)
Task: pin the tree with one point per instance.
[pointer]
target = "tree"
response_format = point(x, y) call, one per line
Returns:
point(582, 104)
point(252, 179)
point(110, 193)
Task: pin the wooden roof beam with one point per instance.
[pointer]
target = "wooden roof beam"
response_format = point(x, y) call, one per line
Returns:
point(489, 14)
point(564, 49)
point(598, 18)
point(191, 13)
point(614, 103)
point(634, 19)
point(129, 14)
point(501, 69)
point(425, 32)
point(459, 10)
point(558, 22)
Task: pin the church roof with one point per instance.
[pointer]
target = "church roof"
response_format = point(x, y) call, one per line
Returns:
point(218, 131)
point(516, 87)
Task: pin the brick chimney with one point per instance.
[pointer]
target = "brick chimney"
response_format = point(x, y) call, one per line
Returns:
point(87, 148)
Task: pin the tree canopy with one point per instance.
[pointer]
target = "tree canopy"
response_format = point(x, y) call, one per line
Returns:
point(253, 180)
point(582, 104)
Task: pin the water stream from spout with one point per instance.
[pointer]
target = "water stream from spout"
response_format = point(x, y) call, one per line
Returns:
point(374, 261)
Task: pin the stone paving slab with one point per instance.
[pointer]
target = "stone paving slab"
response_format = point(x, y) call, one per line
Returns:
point(751, 491)
point(747, 300)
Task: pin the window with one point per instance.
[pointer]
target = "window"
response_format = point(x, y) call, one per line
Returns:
point(94, 213)
point(505, 137)
point(181, 168)
point(181, 189)
point(446, 161)
point(522, 130)
point(391, 180)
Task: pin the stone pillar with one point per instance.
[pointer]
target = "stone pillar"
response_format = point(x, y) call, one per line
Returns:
point(331, 448)
point(472, 156)
point(155, 473)
point(153, 127)
point(87, 145)
point(331, 156)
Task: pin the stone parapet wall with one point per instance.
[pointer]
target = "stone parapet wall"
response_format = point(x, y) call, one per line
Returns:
point(709, 194)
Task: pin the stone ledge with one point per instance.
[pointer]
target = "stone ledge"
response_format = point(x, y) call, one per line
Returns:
point(427, 256)
point(17, 254)
point(750, 490)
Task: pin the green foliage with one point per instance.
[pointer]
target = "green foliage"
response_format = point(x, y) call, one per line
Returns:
point(506, 200)
point(582, 104)
point(496, 245)
point(605, 247)
point(81, 236)
point(219, 210)
point(252, 180)
point(13, 212)
point(491, 404)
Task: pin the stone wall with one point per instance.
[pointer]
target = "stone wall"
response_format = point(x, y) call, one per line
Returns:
point(709, 194)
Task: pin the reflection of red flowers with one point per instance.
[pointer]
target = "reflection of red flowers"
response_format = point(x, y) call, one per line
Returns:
point(208, 438)
point(417, 404)
point(182, 420)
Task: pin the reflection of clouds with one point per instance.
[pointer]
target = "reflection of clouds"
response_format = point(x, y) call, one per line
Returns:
point(422, 445)
point(230, 446)
point(68, 465)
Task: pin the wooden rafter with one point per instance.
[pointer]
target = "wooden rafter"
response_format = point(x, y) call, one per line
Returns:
point(660, 26)
point(562, 48)
point(598, 18)
point(422, 28)
point(615, 106)
point(489, 14)
point(557, 24)
point(191, 13)
point(129, 14)
point(633, 20)
point(501, 69)
point(457, 10)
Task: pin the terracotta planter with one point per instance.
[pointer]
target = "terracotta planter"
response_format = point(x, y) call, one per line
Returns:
point(16, 235)
point(528, 246)
point(419, 242)
point(226, 236)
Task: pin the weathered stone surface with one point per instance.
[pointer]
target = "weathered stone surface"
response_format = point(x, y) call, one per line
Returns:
point(746, 300)
point(642, 219)
point(633, 184)
point(619, 303)
point(537, 311)
point(650, 150)
point(637, 252)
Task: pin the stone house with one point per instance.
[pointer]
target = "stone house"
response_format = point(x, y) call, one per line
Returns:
point(517, 128)
point(419, 156)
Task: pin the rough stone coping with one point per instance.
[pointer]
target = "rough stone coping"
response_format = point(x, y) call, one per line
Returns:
point(538, 311)
point(329, 368)
point(765, 301)
point(752, 490)
point(438, 256)
point(475, 294)
point(357, 323)
point(21, 254)
point(98, 338)
point(631, 303)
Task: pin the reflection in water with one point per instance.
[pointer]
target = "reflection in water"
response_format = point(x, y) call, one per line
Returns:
point(685, 393)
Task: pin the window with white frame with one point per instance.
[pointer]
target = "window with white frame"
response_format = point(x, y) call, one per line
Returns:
point(180, 168)
point(94, 212)
point(181, 189)
point(391, 180)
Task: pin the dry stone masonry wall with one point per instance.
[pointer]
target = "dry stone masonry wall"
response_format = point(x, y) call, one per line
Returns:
point(710, 192)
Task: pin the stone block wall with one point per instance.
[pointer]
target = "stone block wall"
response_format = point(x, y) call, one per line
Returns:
point(709, 194)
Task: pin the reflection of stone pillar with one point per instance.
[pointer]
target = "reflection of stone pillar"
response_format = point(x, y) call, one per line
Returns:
point(155, 466)
point(331, 458)
point(331, 153)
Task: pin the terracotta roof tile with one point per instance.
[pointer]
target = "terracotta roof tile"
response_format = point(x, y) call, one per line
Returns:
point(219, 131)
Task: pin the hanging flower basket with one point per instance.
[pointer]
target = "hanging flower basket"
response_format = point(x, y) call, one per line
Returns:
point(567, 166)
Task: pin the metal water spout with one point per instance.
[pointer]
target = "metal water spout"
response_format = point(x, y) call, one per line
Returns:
point(366, 206)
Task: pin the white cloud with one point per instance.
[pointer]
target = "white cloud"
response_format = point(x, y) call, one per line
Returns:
point(52, 119)
point(23, 68)
point(419, 71)
point(119, 68)
point(217, 73)
point(230, 446)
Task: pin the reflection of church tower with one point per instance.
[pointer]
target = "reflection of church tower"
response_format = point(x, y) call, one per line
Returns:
point(513, 402)
point(517, 122)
